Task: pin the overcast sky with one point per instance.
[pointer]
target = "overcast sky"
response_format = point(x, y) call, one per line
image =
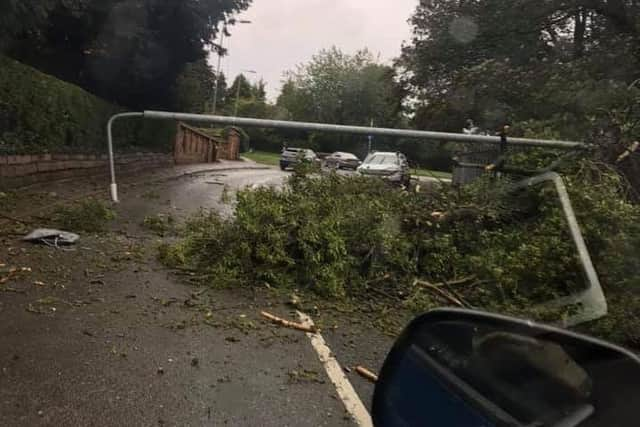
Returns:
point(284, 33)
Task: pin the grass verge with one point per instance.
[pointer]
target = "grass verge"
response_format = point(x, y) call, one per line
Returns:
point(431, 173)
point(263, 157)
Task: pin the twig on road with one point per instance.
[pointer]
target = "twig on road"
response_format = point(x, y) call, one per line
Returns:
point(461, 281)
point(288, 323)
point(457, 294)
point(383, 293)
point(437, 289)
point(365, 373)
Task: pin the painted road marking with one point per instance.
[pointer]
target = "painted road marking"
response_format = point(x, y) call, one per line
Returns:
point(345, 390)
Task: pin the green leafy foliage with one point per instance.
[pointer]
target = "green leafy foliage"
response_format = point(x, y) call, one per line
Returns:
point(335, 87)
point(17, 17)
point(250, 99)
point(160, 224)
point(263, 157)
point(129, 52)
point(39, 113)
point(342, 236)
point(89, 215)
point(300, 236)
point(195, 87)
point(523, 37)
point(345, 236)
point(545, 67)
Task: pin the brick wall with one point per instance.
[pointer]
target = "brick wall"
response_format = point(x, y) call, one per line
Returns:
point(230, 149)
point(193, 146)
point(21, 170)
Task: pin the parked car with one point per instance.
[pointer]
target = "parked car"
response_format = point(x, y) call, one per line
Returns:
point(392, 167)
point(342, 160)
point(293, 156)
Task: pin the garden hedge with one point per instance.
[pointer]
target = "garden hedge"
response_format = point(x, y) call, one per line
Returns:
point(42, 114)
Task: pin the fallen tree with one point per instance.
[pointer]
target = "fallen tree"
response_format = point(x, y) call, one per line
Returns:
point(481, 246)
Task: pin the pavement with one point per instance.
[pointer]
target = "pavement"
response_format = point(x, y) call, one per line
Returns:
point(104, 335)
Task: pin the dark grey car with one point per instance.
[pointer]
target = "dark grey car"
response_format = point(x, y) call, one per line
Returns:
point(342, 160)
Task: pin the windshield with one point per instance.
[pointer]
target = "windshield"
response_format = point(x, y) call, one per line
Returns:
point(345, 156)
point(156, 195)
point(382, 159)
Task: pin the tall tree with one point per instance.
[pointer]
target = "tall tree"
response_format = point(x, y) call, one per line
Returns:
point(336, 87)
point(20, 17)
point(128, 51)
point(194, 87)
point(246, 88)
point(494, 59)
point(260, 90)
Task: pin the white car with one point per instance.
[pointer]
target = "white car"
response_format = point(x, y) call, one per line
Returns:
point(293, 156)
point(392, 167)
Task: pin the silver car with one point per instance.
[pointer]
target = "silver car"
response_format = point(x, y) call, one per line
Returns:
point(293, 156)
point(392, 167)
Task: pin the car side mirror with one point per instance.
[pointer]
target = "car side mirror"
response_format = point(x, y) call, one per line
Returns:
point(455, 367)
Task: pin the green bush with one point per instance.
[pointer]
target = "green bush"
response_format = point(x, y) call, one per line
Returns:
point(89, 215)
point(160, 224)
point(39, 114)
point(328, 235)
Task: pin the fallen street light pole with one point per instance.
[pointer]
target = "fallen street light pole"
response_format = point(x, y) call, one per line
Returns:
point(324, 127)
point(359, 130)
point(590, 303)
point(112, 167)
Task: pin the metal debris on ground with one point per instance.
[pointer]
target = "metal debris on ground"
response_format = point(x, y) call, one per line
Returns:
point(289, 324)
point(51, 237)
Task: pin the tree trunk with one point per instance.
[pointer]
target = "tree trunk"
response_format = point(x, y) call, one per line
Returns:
point(579, 31)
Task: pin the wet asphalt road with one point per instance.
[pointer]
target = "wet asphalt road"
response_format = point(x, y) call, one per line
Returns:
point(105, 336)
